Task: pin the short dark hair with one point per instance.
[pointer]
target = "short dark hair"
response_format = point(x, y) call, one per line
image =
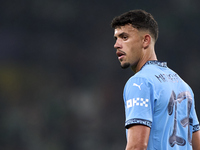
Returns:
point(139, 19)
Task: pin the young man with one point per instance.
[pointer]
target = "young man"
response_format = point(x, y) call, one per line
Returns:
point(159, 105)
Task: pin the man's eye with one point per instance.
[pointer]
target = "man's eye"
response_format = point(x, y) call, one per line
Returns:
point(125, 37)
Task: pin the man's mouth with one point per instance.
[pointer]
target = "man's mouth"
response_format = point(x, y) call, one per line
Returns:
point(120, 54)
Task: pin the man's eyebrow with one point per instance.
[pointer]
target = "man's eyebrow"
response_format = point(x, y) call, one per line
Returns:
point(120, 35)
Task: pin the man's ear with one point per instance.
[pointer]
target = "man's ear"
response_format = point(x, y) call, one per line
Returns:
point(146, 41)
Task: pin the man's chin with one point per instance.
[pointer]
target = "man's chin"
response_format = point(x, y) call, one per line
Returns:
point(125, 65)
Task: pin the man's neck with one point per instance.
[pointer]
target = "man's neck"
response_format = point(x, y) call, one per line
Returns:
point(148, 55)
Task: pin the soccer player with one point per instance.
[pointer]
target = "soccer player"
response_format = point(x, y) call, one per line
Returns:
point(159, 105)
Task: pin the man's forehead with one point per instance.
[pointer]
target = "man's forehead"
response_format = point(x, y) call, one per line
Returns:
point(123, 29)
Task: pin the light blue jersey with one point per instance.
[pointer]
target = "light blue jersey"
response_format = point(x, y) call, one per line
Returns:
point(158, 98)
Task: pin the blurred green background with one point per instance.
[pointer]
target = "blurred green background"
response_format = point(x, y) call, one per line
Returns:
point(60, 81)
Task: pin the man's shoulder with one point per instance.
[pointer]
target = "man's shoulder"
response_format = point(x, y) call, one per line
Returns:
point(138, 78)
point(153, 74)
point(144, 74)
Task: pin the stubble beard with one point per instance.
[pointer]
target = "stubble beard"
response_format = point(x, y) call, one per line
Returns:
point(126, 65)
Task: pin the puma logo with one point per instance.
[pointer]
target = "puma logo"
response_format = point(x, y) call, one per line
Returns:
point(139, 86)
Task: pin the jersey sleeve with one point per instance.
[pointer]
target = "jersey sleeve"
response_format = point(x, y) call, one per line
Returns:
point(138, 102)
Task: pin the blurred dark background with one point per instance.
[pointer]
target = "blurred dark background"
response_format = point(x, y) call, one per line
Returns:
point(60, 81)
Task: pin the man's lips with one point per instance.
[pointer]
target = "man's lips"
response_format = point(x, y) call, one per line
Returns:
point(120, 54)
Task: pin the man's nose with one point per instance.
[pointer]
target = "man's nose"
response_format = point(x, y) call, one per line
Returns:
point(117, 44)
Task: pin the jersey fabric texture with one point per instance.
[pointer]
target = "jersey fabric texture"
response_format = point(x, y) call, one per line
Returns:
point(158, 98)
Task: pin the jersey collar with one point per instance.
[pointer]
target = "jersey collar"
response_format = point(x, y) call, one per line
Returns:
point(155, 62)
